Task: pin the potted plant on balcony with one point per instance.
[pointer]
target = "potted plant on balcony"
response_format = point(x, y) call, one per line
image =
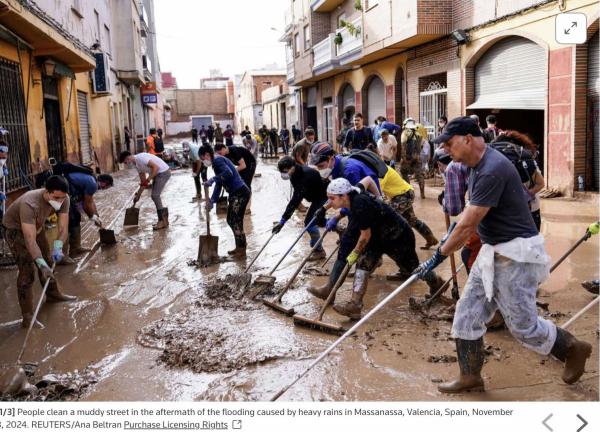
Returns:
point(338, 39)
point(358, 5)
point(352, 29)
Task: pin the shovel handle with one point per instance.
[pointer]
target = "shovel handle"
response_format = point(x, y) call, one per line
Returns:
point(302, 264)
point(333, 292)
point(137, 195)
point(34, 317)
point(586, 236)
point(308, 225)
point(452, 264)
point(259, 252)
point(330, 255)
point(207, 200)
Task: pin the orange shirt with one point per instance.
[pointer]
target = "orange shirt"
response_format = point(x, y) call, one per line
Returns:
point(150, 145)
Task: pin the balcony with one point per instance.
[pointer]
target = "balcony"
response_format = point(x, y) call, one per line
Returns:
point(290, 73)
point(325, 57)
point(324, 5)
point(351, 46)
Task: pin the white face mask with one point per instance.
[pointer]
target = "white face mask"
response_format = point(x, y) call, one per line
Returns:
point(325, 172)
point(56, 205)
point(207, 163)
point(285, 176)
point(2, 163)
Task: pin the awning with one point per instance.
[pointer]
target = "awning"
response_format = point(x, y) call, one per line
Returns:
point(63, 70)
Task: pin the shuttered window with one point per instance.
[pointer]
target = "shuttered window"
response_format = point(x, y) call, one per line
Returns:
point(84, 128)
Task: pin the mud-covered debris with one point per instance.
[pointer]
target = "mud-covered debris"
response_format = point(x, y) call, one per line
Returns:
point(69, 386)
point(316, 271)
point(555, 314)
point(190, 339)
point(229, 292)
point(444, 358)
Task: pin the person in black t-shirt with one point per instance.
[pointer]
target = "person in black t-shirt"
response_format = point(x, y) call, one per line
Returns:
point(308, 185)
point(360, 137)
point(242, 158)
point(382, 231)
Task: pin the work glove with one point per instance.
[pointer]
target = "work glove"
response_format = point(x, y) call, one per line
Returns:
point(96, 219)
point(279, 226)
point(436, 259)
point(426, 266)
point(145, 184)
point(352, 258)
point(209, 182)
point(320, 212)
point(44, 268)
point(331, 224)
point(594, 228)
point(344, 212)
point(57, 253)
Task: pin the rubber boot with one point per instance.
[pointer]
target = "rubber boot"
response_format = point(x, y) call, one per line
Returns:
point(27, 308)
point(323, 291)
point(574, 353)
point(427, 235)
point(470, 362)
point(54, 295)
point(75, 242)
point(240, 247)
point(353, 308)
point(162, 221)
point(318, 255)
point(422, 188)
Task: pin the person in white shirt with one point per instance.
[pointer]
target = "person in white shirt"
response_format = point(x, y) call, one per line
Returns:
point(154, 173)
point(387, 146)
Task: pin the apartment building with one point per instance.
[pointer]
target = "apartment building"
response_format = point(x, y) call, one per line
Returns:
point(427, 58)
point(71, 77)
point(248, 105)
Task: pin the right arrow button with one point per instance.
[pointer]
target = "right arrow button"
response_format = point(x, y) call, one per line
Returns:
point(585, 423)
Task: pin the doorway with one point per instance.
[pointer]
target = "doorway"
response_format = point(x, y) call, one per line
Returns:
point(52, 116)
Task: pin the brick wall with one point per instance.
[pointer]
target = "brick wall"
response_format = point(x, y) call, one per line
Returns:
point(434, 16)
point(262, 83)
point(469, 13)
point(320, 27)
point(198, 102)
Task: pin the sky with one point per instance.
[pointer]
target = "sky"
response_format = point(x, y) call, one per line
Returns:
point(194, 36)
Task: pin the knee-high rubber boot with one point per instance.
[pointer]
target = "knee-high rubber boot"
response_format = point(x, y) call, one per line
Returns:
point(75, 242)
point(323, 291)
point(54, 295)
point(425, 231)
point(27, 307)
point(353, 308)
point(163, 221)
point(574, 353)
point(319, 253)
point(470, 361)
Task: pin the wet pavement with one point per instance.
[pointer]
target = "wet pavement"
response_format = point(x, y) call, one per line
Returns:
point(147, 328)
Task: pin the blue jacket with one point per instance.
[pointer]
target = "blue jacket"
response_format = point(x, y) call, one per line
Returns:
point(225, 176)
point(390, 127)
point(354, 171)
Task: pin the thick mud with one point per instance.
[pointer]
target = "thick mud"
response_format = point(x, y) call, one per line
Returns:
point(70, 386)
point(189, 333)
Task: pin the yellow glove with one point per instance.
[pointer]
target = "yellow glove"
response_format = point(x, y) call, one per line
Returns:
point(352, 258)
point(594, 228)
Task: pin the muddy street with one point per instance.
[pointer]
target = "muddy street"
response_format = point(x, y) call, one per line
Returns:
point(149, 326)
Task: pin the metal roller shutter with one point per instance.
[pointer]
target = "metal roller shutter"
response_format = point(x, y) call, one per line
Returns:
point(593, 98)
point(511, 75)
point(84, 128)
point(375, 100)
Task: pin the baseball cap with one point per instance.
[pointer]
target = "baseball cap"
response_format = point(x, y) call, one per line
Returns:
point(458, 126)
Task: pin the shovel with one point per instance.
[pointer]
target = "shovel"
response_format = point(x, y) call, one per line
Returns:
point(276, 302)
point(318, 323)
point(208, 251)
point(107, 236)
point(132, 214)
point(263, 282)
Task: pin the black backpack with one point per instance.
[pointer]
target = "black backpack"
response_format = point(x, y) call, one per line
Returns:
point(520, 157)
point(159, 147)
point(369, 158)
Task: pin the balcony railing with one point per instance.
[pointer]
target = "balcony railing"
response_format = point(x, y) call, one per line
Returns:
point(324, 52)
point(349, 42)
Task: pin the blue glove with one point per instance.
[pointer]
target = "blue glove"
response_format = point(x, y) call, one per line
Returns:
point(331, 224)
point(279, 226)
point(57, 253)
point(426, 266)
point(344, 211)
point(5, 170)
point(209, 182)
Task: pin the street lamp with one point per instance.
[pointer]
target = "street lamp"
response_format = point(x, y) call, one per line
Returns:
point(49, 67)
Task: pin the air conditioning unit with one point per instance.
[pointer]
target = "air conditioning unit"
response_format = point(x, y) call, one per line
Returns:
point(101, 75)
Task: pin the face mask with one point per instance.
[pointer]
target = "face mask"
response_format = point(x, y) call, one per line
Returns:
point(441, 124)
point(56, 205)
point(325, 172)
point(2, 162)
point(130, 165)
point(207, 163)
point(285, 176)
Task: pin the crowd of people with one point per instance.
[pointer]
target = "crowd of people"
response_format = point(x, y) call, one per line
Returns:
point(364, 178)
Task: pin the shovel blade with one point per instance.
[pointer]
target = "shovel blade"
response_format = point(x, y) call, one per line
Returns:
point(107, 236)
point(208, 251)
point(132, 216)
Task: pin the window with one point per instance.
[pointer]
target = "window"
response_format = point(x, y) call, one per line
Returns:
point(297, 45)
point(306, 37)
point(97, 16)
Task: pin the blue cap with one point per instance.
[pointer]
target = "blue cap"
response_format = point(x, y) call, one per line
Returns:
point(459, 126)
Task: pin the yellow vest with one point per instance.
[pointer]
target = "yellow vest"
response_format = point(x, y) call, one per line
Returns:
point(393, 184)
